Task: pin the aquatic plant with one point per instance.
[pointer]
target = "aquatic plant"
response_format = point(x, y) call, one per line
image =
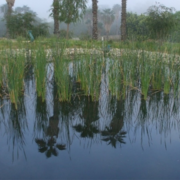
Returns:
point(61, 73)
point(14, 70)
point(40, 64)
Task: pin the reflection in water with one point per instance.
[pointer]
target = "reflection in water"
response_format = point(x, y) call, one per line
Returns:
point(108, 119)
point(50, 130)
point(114, 133)
point(132, 115)
point(48, 144)
point(89, 116)
point(15, 128)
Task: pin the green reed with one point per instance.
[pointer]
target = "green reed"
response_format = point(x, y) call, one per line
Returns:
point(89, 74)
point(167, 80)
point(115, 78)
point(14, 71)
point(61, 73)
point(134, 70)
point(145, 70)
point(1, 74)
point(40, 65)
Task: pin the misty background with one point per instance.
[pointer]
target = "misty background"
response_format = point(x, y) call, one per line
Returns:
point(136, 10)
point(41, 7)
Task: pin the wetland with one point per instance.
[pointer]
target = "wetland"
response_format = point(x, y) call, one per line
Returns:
point(88, 115)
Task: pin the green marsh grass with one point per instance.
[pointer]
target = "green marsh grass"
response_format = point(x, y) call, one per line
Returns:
point(14, 70)
point(145, 70)
point(61, 73)
point(89, 74)
point(115, 78)
point(40, 65)
point(1, 74)
point(136, 69)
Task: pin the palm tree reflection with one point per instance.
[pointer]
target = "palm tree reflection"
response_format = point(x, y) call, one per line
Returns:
point(16, 126)
point(114, 132)
point(48, 144)
point(90, 116)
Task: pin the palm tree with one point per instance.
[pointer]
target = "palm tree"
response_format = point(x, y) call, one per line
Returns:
point(48, 144)
point(90, 115)
point(95, 19)
point(108, 19)
point(88, 20)
point(10, 4)
point(117, 9)
point(114, 133)
point(123, 21)
point(55, 14)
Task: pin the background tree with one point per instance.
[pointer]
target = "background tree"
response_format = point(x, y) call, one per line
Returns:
point(117, 9)
point(19, 23)
point(136, 27)
point(88, 20)
point(174, 34)
point(70, 11)
point(24, 9)
point(160, 20)
point(123, 20)
point(10, 4)
point(100, 28)
point(3, 13)
point(108, 19)
point(55, 15)
point(95, 19)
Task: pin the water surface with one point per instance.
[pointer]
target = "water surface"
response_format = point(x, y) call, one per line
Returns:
point(124, 137)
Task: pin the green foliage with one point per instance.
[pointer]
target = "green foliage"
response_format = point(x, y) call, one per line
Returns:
point(175, 35)
point(68, 11)
point(18, 25)
point(85, 36)
point(15, 72)
point(62, 34)
point(71, 10)
point(41, 29)
point(40, 72)
point(160, 20)
point(137, 26)
point(108, 17)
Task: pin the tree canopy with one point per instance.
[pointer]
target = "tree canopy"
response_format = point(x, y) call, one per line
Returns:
point(160, 20)
point(19, 23)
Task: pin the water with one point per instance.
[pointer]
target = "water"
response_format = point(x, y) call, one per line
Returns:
point(124, 138)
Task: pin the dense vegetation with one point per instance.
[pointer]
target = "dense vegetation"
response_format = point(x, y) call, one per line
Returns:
point(159, 22)
point(146, 60)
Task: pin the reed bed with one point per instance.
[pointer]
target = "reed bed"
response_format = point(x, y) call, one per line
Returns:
point(140, 70)
point(89, 75)
point(62, 74)
point(40, 68)
point(143, 72)
point(14, 74)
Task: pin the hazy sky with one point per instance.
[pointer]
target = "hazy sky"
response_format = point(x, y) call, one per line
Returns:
point(41, 7)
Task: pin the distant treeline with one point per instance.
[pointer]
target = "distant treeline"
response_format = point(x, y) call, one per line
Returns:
point(159, 22)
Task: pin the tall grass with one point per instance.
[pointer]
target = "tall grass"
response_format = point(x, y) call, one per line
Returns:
point(40, 64)
point(15, 74)
point(134, 70)
point(61, 73)
point(89, 74)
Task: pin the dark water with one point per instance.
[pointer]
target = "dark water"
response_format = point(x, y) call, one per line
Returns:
point(129, 138)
